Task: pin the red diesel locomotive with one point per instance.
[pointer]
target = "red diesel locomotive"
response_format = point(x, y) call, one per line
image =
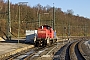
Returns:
point(45, 36)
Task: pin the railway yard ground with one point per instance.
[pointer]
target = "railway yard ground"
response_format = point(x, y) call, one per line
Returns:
point(64, 49)
point(9, 47)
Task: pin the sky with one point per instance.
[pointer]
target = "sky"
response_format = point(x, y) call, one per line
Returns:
point(80, 7)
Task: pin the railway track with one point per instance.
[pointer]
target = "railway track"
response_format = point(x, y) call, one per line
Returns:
point(70, 51)
point(74, 52)
point(20, 55)
point(23, 55)
point(32, 54)
point(27, 54)
point(86, 50)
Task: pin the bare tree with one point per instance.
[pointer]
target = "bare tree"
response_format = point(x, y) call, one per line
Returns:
point(70, 12)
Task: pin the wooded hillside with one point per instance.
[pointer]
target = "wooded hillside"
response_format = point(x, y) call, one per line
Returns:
point(65, 22)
